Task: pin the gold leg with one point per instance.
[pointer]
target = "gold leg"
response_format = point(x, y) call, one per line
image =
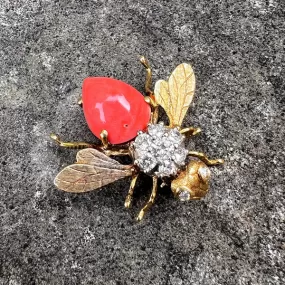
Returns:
point(80, 102)
point(205, 159)
point(150, 99)
point(154, 116)
point(115, 152)
point(154, 109)
point(190, 131)
point(131, 191)
point(104, 138)
point(80, 145)
point(150, 201)
point(148, 80)
point(71, 144)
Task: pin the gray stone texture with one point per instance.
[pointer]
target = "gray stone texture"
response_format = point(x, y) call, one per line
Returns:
point(235, 235)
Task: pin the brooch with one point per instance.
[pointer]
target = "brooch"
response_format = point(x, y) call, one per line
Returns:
point(127, 124)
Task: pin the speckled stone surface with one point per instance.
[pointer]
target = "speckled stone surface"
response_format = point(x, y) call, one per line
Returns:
point(235, 235)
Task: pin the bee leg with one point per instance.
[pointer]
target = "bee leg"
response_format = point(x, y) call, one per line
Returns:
point(131, 191)
point(150, 99)
point(80, 102)
point(81, 145)
point(154, 107)
point(116, 152)
point(71, 144)
point(191, 131)
point(148, 80)
point(205, 159)
point(104, 138)
point(150, 201)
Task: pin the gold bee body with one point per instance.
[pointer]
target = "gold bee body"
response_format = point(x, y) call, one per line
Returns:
point(94, 168)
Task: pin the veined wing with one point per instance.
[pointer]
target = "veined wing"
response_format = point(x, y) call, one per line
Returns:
point(96, 157)
point(176, 95)
point(93, 170)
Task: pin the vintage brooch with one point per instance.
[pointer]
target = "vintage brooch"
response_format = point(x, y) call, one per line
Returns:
point(126, 123)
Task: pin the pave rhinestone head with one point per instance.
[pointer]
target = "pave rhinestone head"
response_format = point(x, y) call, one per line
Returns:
point(160, 151)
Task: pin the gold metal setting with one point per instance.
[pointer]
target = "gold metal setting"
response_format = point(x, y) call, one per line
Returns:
point(94, 168)
point(104, 138)
point(194, 179)
point(80, 102)
point(150, 201)
point(190, 131)
point(131, 190)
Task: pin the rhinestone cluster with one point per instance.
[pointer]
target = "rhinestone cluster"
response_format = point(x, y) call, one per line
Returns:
point(160, 151)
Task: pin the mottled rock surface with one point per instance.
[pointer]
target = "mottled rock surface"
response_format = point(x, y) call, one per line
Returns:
point(235, 235)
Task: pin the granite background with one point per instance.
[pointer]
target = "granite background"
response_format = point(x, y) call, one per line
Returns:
point(235, 235)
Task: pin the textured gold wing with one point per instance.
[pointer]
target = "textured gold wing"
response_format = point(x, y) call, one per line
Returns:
point(176, 95)
point(93, 170)
point(95, 157)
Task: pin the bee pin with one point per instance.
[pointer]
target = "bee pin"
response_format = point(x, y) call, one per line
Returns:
point(126, 123)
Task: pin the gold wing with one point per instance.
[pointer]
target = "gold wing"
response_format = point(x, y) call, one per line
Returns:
point(92, 171)
point(176, 95)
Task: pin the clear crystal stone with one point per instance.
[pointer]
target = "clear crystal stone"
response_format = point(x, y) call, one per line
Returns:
point(160, 150)
point(205, 172)
point(184, 195)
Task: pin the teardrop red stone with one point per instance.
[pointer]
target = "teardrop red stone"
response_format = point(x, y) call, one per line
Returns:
point(115, 106)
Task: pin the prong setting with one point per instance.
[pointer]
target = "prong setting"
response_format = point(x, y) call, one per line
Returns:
point(183, 194)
